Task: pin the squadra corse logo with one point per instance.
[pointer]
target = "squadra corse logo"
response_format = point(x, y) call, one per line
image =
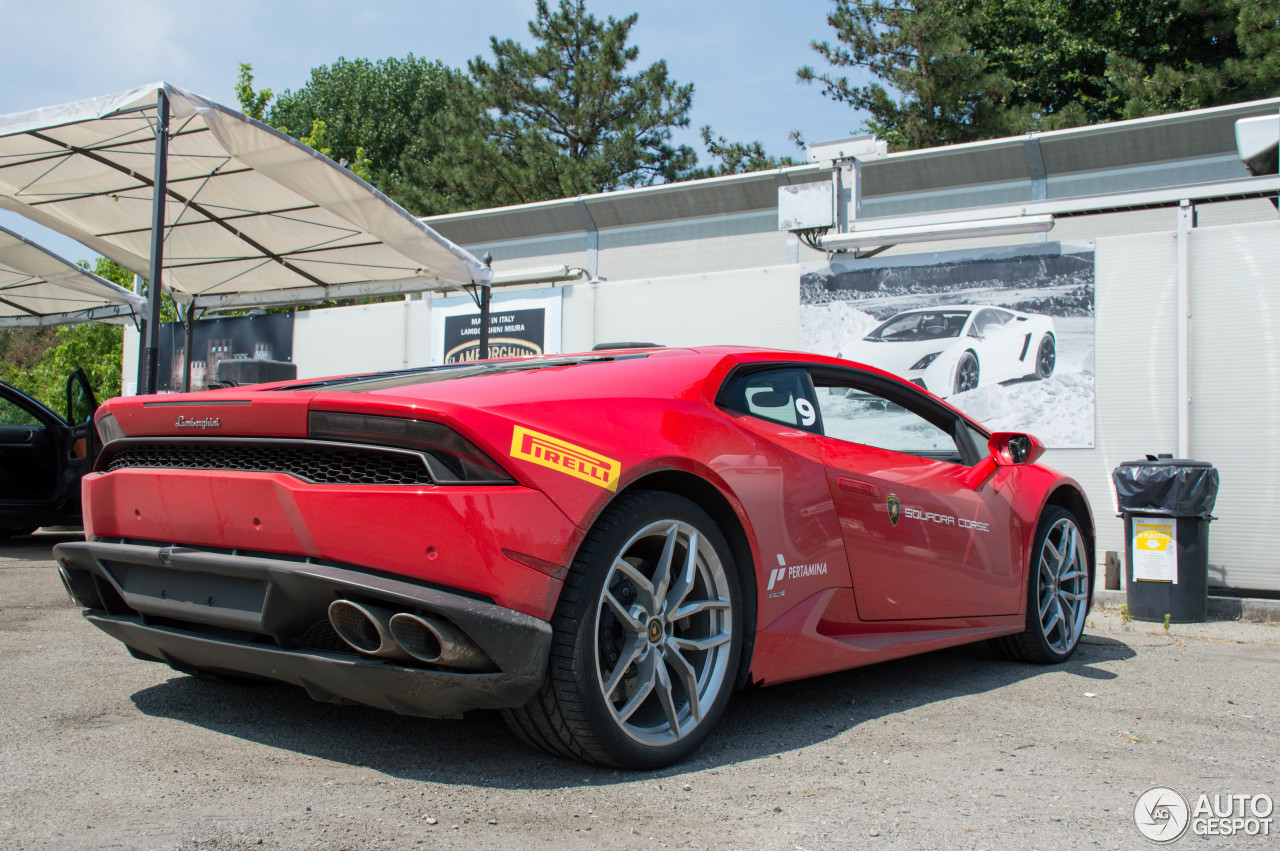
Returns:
point(1163, 815)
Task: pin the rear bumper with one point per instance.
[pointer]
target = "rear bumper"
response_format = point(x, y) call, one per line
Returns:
point(462, 537)
point(265, 616)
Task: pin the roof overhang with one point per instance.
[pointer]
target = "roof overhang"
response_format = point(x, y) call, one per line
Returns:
point(1195, 148)
point(38, 287)
point(252, 216)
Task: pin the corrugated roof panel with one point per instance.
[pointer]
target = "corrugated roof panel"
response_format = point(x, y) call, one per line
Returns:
point(957, 166)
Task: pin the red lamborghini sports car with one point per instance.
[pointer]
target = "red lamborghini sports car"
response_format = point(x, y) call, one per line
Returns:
point(604, 546)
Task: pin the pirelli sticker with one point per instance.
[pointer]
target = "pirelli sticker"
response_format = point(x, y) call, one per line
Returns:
point(547, 451)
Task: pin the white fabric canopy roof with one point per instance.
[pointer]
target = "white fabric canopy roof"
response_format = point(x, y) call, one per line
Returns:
point(253, 217)
point(40, 288)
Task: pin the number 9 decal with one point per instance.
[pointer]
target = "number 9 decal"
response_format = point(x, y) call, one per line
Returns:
point(807, 415)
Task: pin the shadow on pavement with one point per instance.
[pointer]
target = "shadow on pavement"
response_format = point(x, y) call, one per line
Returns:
point(479, 750)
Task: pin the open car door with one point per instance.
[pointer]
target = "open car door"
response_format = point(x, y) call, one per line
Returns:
point(43, 456)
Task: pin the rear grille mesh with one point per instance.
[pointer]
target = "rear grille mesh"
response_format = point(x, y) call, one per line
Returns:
point(338, 465)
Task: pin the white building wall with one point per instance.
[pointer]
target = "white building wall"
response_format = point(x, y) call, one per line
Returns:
point(751, 307)
point(1235, 394)
point(362, 338)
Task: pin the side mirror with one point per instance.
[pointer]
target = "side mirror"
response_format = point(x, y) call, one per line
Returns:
point(1011, 448)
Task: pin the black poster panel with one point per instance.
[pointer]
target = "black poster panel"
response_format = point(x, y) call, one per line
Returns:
point(267, 337)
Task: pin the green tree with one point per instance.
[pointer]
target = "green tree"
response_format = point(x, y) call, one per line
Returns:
point(930, 86)
point(561, 119)
point(1210, 52)
point(253, 104)
point(366, 115)
point(947, 72)
point(735, 157)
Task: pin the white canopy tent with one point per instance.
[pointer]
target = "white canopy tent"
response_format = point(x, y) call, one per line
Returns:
point(250, 217)
point(37, 287)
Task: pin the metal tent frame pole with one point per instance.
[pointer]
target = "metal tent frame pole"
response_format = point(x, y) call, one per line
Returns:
point(190, 318)
point(485, 294)
point(149, 363)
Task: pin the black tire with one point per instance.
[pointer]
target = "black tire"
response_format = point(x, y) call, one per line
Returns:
point(966, 373)
point(578, 712)
point(1057, 582)
point(1046, 357)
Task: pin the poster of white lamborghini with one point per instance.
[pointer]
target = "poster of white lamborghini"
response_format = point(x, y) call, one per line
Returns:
point(1004, 334)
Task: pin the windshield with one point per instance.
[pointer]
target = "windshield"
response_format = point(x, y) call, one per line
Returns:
point(920, 325)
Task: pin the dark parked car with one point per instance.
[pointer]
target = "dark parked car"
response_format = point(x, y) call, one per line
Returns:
point(43, 456)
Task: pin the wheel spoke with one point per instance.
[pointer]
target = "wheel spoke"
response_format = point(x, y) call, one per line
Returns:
point(688, 678)
point(1060, 619)
point(630, 651)
point(662, 571)
point(688, 572)
point(701, 643)
point(644, 686)
point(1050, 549)
point(642, 583)
point(1072, 575)
point(665, 697)
point(1053, 621)
point(1069, 559)
point(629, 621)
point(1077, 597)
point(688, 610)
point(1069, 610)
point(1046, 598)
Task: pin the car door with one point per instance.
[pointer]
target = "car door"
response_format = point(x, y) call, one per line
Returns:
point(923, 538)
point(30, 458)
point(998, 343)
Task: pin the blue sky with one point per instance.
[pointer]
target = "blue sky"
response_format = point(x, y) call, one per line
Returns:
point(741, 56)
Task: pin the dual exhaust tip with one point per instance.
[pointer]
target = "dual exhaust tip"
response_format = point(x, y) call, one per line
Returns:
point(375, 631)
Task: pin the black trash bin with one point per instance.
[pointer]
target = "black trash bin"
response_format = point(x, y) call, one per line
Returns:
point(1166, 504)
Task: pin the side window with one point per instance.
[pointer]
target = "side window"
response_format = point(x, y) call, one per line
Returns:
point(778, 395)
point(863, 416)
point(79, 403)
point(12, 415)
point(987, 321)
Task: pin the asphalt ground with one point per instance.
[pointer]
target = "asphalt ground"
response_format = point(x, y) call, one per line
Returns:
point(951, 750)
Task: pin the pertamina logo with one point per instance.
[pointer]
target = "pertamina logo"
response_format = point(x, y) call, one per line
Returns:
point(794, 571)
point(548, 451)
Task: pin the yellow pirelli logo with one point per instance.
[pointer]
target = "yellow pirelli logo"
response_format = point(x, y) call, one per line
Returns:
point(558, 455)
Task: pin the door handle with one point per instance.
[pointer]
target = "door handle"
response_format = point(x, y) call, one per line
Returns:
point(858, 488)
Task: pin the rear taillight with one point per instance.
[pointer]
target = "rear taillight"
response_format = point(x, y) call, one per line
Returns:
point(109, 429)
point(451, 458)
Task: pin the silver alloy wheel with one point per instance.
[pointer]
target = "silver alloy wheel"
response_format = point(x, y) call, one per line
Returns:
point(1063, 577)
point(966, 373)
point(1046, 357)
point(663, 628)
